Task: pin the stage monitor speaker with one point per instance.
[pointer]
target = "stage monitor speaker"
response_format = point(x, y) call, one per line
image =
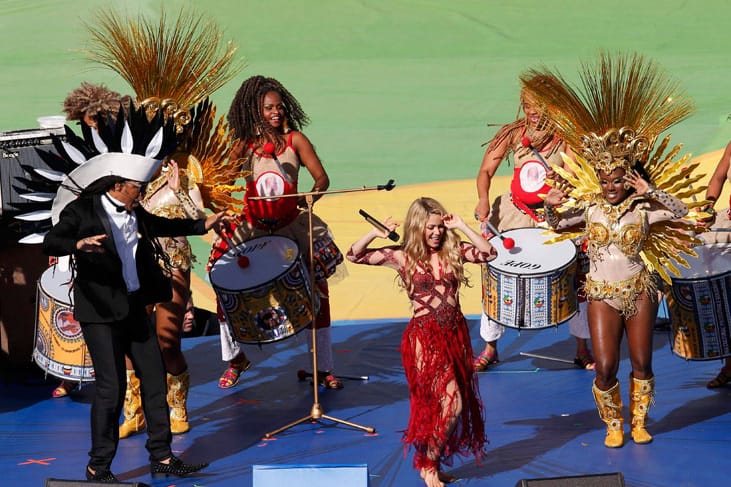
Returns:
point(308, 475)
point(600, 480)
point(89, 483)
point(18, 149)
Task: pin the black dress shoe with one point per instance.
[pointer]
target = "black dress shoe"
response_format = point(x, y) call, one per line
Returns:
point(176, 467)
point(101, 476)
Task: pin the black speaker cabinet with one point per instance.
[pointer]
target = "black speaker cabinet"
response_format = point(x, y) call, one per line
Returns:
point(600, 480)
point(18, 155)
point(88, 483)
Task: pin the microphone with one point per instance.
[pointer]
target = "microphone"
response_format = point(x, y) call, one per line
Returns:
point(391, 234)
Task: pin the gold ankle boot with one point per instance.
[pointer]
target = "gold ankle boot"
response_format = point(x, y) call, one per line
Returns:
point(134, 418)
point(178, 386)
point(641, 394)
point(609, 404)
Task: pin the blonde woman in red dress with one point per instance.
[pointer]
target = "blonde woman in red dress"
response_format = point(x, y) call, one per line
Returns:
point(447, 417)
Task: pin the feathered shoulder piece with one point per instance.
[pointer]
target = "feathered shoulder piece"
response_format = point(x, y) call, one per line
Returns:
point(614, 121)
point(208, 144)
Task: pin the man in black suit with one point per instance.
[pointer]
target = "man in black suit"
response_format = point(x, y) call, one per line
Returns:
point(111, 239)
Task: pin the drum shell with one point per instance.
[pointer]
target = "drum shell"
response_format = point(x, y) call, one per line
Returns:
point(60, 349)
point(537, 293)
point(285, 296)
point(700, 307)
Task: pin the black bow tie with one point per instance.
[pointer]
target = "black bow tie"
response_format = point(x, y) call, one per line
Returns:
point(119, 208)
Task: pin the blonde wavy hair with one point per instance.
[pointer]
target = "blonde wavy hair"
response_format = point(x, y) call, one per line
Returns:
point(414, 245)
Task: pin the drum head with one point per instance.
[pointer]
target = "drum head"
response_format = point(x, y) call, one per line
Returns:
point(56, 283)
point(713, 260)
point(264, 260)
point(531, 256)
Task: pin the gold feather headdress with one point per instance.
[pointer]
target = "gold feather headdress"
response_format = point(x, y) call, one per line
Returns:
point(615, 122)
point(627, 101)
point(171, 65)
point(174, 65)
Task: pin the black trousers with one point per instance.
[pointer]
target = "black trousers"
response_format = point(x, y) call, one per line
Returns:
point(108, 344)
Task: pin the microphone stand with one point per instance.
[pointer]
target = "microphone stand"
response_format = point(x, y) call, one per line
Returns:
point(316, 411)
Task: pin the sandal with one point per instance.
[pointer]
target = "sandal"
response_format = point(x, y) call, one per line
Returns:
point(329, 381)
point(485, 360)
point(231, 375)
point(63, 389)
point(585, 361)
point(723, 378)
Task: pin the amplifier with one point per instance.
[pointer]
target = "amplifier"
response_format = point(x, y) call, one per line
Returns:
point(18, 149)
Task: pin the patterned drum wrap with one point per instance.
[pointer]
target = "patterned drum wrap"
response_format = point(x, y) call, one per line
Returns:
point(532, 284)
point(700, 305)
point(60, 348)
point(268, 297)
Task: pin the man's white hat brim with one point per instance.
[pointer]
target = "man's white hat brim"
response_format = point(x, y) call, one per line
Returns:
point(128, 166)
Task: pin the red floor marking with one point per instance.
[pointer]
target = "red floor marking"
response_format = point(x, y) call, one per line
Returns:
point(248, 401)
point(38, 462)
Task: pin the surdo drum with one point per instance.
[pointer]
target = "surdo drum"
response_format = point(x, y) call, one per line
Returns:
point(263, 288)
point(60, 348)
point(700, 305)
point(531, 285)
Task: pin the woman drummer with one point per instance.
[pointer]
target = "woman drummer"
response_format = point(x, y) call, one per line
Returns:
point(534, 144)
point(722, 222)
point(624, 217)
point(265, 115)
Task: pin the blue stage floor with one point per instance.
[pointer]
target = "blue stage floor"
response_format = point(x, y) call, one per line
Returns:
point(541, 418)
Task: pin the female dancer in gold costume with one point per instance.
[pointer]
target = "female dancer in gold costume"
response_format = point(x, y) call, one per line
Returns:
point(625, 203)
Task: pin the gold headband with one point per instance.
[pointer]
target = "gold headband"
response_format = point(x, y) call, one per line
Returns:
point(615, 149)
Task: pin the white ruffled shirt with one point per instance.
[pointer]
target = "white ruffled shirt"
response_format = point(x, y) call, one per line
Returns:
point(126, 237)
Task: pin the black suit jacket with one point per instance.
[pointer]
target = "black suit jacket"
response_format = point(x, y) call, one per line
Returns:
point(100, 293)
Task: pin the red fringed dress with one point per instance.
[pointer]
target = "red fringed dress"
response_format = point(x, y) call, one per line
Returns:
point(437, 358)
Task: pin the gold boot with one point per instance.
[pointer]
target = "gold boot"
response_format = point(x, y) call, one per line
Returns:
point(134, 418)
point(641, 394)
point(609, 404)
point(178, 386)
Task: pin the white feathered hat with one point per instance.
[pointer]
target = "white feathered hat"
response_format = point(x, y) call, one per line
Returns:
point(132, 147)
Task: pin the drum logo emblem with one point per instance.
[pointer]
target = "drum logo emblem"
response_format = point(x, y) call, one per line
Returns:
point(508, 300)
point(539, 302)
point(521, 265)
point(66, 324)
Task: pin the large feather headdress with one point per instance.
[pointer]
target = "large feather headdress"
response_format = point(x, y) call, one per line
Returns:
point(614, 120)
point(170, 64)
point(173, 65)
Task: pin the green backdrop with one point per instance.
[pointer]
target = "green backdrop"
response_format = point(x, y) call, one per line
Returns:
point(398, 89)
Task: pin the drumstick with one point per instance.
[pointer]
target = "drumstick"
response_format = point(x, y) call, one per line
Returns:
point(525, 142)
point(241, 260)
point(269, 150)
point(545, 357)
point(508, 242)
point(302, 375)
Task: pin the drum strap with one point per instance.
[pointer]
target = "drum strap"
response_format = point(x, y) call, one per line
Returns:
point(527, 209)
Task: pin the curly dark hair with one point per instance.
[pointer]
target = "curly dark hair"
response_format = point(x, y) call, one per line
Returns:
point(245, 114)
point(92, 100)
